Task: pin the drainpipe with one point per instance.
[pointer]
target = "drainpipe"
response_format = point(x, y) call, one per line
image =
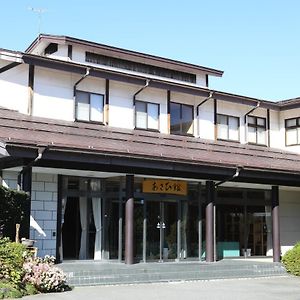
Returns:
point(197, 109)
point(134, 96)
point(245, 119)
point(41, 151)
point(237, 173)
point(140, 90)
point(87, 73)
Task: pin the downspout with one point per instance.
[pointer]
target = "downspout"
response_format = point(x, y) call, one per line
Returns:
point(197, 109)
point(245, 119)
point(237, 174)
point(41, 151)
point(87, 73)
point(140, 90)
point(134, 97)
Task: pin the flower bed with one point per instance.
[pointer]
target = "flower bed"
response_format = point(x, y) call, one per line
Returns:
point(21, 274)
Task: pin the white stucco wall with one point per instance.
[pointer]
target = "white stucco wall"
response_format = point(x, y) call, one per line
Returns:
point(53, 94)
point(121, 104)
point(201, 79)
point(289, 211)
point(14, 87)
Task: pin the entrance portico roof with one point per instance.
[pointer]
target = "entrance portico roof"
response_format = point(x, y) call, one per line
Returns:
point(22, 135)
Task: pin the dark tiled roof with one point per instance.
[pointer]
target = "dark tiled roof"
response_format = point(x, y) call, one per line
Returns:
point(22, 130)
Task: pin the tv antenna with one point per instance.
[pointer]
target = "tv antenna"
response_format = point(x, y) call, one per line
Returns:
point(39, 12)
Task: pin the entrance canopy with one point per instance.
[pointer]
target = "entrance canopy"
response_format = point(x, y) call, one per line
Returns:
point(73, 145)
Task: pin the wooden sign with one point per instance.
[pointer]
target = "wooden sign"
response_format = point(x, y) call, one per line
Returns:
point(163, 186)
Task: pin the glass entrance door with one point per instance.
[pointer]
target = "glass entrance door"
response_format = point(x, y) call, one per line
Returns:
point(161, 232)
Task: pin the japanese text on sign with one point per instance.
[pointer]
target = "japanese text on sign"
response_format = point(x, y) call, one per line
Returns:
point(165, 186)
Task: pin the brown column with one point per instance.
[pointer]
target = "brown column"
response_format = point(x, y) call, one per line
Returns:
point(215, 119)
point(106, 105)
point(26, 187)
point(30, 89)
point(129, 221)
point(209, 221)
point(169, 110)
point(275, 224)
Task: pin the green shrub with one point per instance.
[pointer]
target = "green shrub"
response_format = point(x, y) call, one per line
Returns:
point(9, 290)
point(11, 261)
point(14, 209)
point(291, 260)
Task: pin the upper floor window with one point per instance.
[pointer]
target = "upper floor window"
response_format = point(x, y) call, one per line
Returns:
point(89, 107)
point(146, 115)
point(257, 130)
point(292, 131)
point(182, 117)
point(228, 127)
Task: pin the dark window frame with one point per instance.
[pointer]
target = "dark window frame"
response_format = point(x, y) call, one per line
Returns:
point(256, 125)
point(291, 128)
point(228, 139)
point(193, 117)
point(76, 107)
point(135, 118)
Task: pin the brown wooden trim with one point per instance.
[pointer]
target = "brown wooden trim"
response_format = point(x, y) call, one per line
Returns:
point(30, 89)
point(268, 128)
point(70, 52)
point(215, 119)
point(206, 80)
point(169, 110)
point(106, 105)
point(9, 66)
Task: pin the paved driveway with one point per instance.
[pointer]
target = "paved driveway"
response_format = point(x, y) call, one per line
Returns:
point(283, 288)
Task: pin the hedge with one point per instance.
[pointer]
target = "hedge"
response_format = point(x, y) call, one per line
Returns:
point(14, 209)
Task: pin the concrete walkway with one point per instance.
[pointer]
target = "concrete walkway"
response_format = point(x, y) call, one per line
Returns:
point(287, 288)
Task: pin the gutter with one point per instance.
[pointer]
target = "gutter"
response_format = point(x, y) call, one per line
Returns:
point(41, 151)
point(237, 174)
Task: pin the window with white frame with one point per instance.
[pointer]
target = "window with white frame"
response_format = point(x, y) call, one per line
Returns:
point(228, 127)
point(257, 130)
point(89, 107)
point(146, 115)
point(292, 131)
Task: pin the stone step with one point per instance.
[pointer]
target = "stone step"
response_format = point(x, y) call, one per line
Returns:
point(95, 273)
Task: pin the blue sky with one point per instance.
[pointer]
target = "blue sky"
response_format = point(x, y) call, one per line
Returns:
point(255, 42)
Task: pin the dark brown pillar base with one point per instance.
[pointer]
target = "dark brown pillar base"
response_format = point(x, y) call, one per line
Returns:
point(275, 224)
point(129, 221)
point(209, 212)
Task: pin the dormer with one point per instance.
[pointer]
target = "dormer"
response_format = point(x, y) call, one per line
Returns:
point(117, 59)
